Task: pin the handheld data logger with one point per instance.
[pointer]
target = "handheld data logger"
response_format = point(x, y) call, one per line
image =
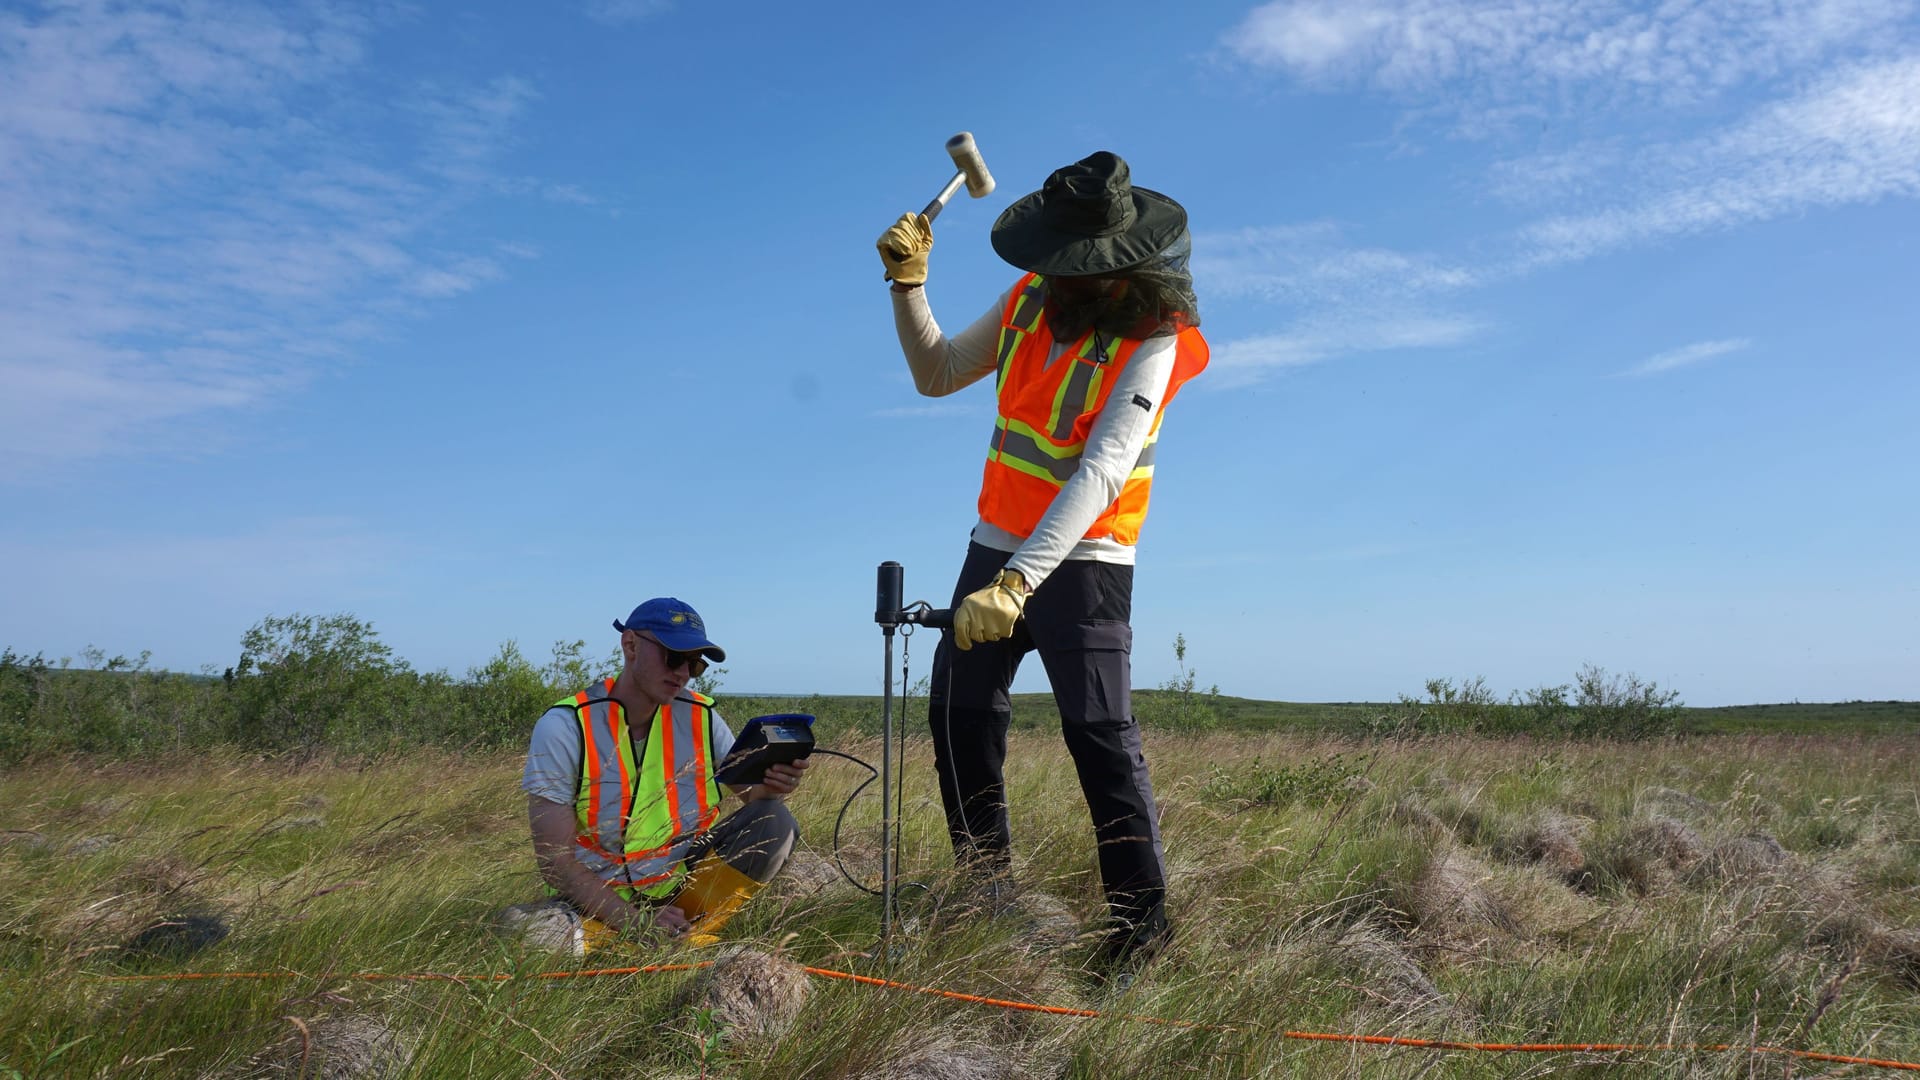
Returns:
point(766, 740)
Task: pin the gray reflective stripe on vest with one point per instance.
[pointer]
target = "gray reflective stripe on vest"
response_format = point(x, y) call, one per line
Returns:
point(1026, 315)
point(1026, 307)
point(1008, 443)
point(611, 833)
point(1074, 402)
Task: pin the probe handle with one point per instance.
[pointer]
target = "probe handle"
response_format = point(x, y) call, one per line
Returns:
point(938, 618)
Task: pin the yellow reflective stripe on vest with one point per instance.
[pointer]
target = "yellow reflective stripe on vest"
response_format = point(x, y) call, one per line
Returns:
point(1021, 448)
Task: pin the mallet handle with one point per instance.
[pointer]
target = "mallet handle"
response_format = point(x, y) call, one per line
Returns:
point(939, 202)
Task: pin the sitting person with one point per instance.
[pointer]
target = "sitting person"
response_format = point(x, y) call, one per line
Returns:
point(625, 815)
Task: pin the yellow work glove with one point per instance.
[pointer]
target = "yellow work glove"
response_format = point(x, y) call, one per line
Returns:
point(904, 247)
point(989, 614)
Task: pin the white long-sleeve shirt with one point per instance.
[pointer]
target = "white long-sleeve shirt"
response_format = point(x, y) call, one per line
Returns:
point(942, 365)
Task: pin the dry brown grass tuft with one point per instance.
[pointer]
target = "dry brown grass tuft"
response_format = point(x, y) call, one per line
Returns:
point(164, 874)
point(947, 1056)
point(333, 1048)
point(1412, 811)
point(24, 839)
point(1046, 924)
point(754, 996)
point(1552, 841)
point(1449, 900)
point(1740, 859)
point(87, 847)
point(1841, 923)
point(1647, 857)
point(294, 823)
point(807, 874)
point(104, 807)
point(1390, 979)
point(1666, 802)
point(110, 917)
point(1896, 952)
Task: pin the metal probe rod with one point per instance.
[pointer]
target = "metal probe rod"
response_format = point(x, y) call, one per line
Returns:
point(889, 612)
point(886, 612)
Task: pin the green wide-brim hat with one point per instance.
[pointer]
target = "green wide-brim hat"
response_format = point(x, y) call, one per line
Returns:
point(1088, 219)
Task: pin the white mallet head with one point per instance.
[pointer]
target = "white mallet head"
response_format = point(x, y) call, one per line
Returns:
point(966, 158)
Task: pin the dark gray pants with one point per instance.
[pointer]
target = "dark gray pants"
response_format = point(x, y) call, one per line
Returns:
point(1078, 621)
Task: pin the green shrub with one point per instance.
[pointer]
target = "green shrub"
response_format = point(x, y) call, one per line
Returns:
point(1312, 782)
point(1595, 706)
point(303, 682)
point(1179, 704)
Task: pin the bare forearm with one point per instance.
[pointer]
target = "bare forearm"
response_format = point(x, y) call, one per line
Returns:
point(552, 827)
point(571, 879)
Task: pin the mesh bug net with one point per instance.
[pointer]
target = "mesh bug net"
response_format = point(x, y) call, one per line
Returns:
point(1151, 299)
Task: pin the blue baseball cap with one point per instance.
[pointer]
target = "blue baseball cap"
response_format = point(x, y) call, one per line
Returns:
point(672, 623)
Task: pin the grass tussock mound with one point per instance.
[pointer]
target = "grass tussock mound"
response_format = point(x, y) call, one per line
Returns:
point(345, 1047)
point(1754, 856)
point(1553, 841)
point(1647, 856)
point(806, 876)
point(952, 1055)
point(751, 996)
point(1659, 801)
point(1397, 993)
point(1450, 900)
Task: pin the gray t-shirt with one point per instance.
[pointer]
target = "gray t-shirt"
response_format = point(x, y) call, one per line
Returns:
point(553, 755)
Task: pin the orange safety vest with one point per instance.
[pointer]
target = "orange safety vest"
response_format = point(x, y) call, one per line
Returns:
point(638, 819)
point(1046, 414)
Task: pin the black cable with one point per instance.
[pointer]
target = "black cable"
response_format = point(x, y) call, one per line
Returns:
point(900, 797)
point(839, 819)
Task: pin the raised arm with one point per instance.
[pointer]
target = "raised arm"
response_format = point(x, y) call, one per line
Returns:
point(942, 364)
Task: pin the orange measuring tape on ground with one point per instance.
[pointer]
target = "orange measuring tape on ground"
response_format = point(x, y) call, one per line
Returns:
point(1061, 1010)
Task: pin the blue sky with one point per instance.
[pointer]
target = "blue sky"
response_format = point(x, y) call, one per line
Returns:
point(1544, 333)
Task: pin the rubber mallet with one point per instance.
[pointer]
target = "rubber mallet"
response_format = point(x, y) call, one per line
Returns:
point(972, 172)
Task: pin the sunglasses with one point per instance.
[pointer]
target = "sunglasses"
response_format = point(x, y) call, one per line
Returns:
point(694, 662)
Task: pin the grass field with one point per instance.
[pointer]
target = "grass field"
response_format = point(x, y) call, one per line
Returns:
point(1745, 890)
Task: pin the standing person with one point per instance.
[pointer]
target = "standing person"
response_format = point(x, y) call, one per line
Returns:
point(622, 803)
point(1090, 345)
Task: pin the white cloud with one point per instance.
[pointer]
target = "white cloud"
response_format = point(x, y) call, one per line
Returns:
point(1687, 355)
point(1506, 49)
point(465, 128)
point(1247, 360)
point(1853, 137)
point(206, 204)
point(1837, 122)
point(1356, 299)
point(1313, 263)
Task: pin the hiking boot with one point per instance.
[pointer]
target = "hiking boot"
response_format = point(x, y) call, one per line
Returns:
point(1129, 946)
